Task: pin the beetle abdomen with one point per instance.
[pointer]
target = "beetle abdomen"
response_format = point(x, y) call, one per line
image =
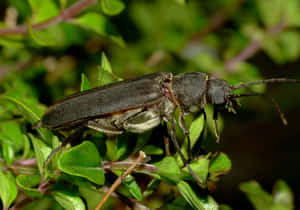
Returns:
point(117, 97)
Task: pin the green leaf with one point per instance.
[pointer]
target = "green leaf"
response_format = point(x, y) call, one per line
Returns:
point(41, 151)
point(200, 167)
point(143, 139)
point(43, 10)
point(151, 187)
point(29, 184)
point(121, 147)
point(196, 129)
point(26, 149)
point(292, 13)
point(133, 187)
point(84, 161)
point(259, 198)
point(289, 42)
point(8, 189)
point(105, 72)
point(169, 170)
point(8, 153)
point(85, 85)
point(29, 114)
point(68, 200)
point(112, 7)
point(100, 25)
point(41, 38)
point(24, 109)
point(12, 130)
point(153, 150)
point(202, 203)
point(219, 165)
point(270, 11)
point(283, 195)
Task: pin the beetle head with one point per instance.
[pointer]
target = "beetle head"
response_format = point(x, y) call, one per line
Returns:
point(220, 93)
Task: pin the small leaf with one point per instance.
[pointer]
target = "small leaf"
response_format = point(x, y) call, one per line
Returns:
point(202, 203)
point(29, 114)
point(151, 187)
point(43, 10)
point(133, 187)
point(219, 165)
point(112, 7)
point(153, 150)
point(100, 25)
point(41, 151)
point(68, 200)
point(8, 189)
point(289, 42)
point(292, 13)
point(283, 195)
point(26, 149)
point(200, 167)
point(8, 153)
point(169, 170)
point(84, 161)
point(259, 198)
point(85, 85)
point(29, 184)
point(196, 129)
point(105, 72)
point(270, 11)
point(13, 131)
point(41, 38)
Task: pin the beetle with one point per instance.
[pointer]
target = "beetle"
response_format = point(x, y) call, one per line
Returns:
point(139, 104)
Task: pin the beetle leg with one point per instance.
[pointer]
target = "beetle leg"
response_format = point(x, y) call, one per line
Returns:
point(215, 117)
point(186, 132)
point(70, 139)
point(104, 125)
point(142, 121)
point(172, 131)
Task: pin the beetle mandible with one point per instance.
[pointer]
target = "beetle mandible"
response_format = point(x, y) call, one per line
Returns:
point(140, 104)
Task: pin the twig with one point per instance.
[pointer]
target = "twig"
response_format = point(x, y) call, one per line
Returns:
point(63, 16)
point(253, 47)
point(120, 178)
point(123, 165)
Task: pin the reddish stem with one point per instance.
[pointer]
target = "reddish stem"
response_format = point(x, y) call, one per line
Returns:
point(63, 16)
point(253, 47)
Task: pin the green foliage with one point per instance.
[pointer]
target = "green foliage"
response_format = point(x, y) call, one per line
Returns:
point(87, 166)
point(48, 46)
point(281, 198)
point(194, 200)
point(8, 189)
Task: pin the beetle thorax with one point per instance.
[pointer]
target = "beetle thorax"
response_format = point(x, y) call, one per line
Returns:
point(189, 90)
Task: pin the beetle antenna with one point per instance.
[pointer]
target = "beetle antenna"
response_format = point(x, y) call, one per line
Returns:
point(282, 117)
point(274, 102)
point(272, 80)
point(246, 95)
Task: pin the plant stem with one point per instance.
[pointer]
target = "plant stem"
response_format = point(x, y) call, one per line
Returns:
point(63, 16)
point(253, 47)
point(120, 178)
